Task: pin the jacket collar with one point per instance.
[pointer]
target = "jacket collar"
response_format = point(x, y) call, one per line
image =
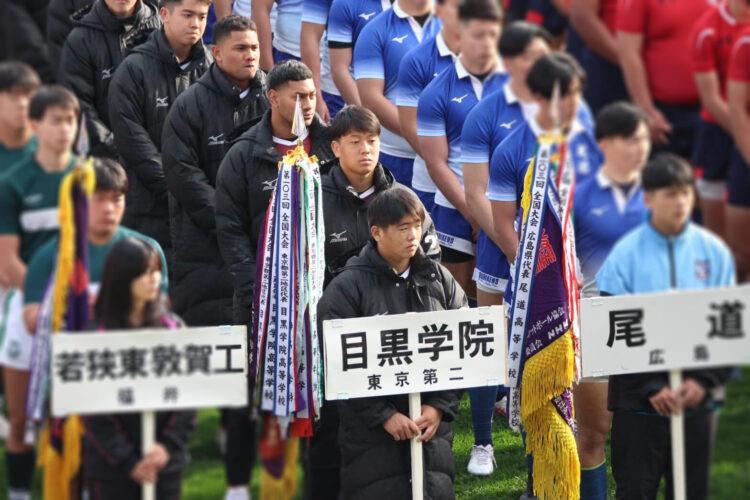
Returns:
point(382, 179)
point(100, 17)
point(422, 268)
point(164, 52)
point(678, 238)
point(217, 80)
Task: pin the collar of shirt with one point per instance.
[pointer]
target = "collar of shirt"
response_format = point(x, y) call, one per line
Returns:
point(415, 26)
point(621, 198)
point(477, 84)
point(510, 96)
point(244, 93)
point(293, 142)
point(405, 274)
point(726, 15)
point(442, 47)
point(385, 4)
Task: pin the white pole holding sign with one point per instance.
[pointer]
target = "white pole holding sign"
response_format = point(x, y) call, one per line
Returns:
point(148, 434)
point(414, 353)
point(671, 332)
point(417, 470)
point(146, 371)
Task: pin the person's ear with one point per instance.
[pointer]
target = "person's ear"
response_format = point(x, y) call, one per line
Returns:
point(34, 126)
point(164, 14)
point(273, 98)
point(376, 232)
point(648, 199)
point(336, 147)
point(215, 52)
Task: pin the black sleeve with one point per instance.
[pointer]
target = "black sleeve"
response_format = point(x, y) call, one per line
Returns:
point(233, 226)
point(710, 379)
point(445, 401)
point(24, 39)
point(140, 154)
point(59, 25)
point(77, 73)
point(176, 433)
point(186, 180)
point(429, 243)
point(105, 435)
point(454, 294)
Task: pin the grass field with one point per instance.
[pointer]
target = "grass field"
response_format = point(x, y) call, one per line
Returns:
point(730, 475)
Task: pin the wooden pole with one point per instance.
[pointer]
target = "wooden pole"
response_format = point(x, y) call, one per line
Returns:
point(148, 437)
point(417, 470)
point(677, 428)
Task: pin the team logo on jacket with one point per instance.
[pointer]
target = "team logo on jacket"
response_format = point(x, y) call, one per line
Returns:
point(508, 125)
point(338, 237)
point(162, 102)
point(216, 140)
point(367, 17)
point(269, 185)
point(459, 99)
point(107, 73)
point(399, 39)
point(702, 269)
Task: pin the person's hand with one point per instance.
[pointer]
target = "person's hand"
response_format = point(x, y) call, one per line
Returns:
point(665, 402)
point(322, 109)
point(400, 427)
point(428, 422)
point(144, 472)
point(660, 127)
point(691, 393)
point(158, 456)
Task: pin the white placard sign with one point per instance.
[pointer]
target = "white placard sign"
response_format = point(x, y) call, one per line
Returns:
point(659, 332)
point(415, 352)
point(159, 369)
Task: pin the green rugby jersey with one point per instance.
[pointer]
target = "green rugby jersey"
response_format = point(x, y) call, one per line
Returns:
point(28, 204)
point(42, 265)
point(11, 156)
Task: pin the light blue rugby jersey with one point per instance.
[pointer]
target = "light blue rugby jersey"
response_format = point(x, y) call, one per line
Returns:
point(444, 105)
point(381, 46)
point(347, 18)
point(316, 12)
point(418, 68)
point(288, 26)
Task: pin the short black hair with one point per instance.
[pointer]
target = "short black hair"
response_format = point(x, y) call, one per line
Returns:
point(15, 75)
point(619, 119)
point(390, 206)
point(50, 96)
point(666, 170)
point(558, 67)
point(169, 4)
point(110, 176)
point(233, 22)
point(287, 71)
point(487, 10)
point(353, 119)
point(518, 35)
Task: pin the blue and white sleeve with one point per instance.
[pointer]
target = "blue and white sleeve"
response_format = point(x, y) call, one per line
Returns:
point(503, 166)
point(410, 80)
point(475, 136)
point(368, 54)
point(341, 22)
point(316, 11)
point(431, 111)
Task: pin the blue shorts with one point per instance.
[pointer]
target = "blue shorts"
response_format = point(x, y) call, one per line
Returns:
point(279, 56)
point(453, 231)
point(427, 199)
point(401, 168)
point(492, 270)
point(684, 120)
point(604, 81)
point(739, 181)
point(334, 103)
point(712, 152)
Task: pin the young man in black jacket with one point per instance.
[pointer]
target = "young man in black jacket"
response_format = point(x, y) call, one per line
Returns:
point(101, 37)
point(349, 185)
point(392, 275)
point(142, 91)
point(195, 139)
point(248, 173)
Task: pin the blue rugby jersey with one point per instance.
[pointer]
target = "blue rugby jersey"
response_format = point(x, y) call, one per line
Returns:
point(347, 18)
point(418, 68)
point(602, 214)
point(512, 157)
point(444, 105)
point(288, 25)
point(381, 46)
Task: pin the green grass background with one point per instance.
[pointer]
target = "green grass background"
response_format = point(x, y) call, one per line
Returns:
point(730, 474)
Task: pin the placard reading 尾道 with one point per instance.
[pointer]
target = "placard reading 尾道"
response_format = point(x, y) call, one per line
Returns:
point(665, 331)
point(159, 369)
point(415, 352)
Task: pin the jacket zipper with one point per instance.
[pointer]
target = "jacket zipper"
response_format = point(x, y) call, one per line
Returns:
point(672, 269)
